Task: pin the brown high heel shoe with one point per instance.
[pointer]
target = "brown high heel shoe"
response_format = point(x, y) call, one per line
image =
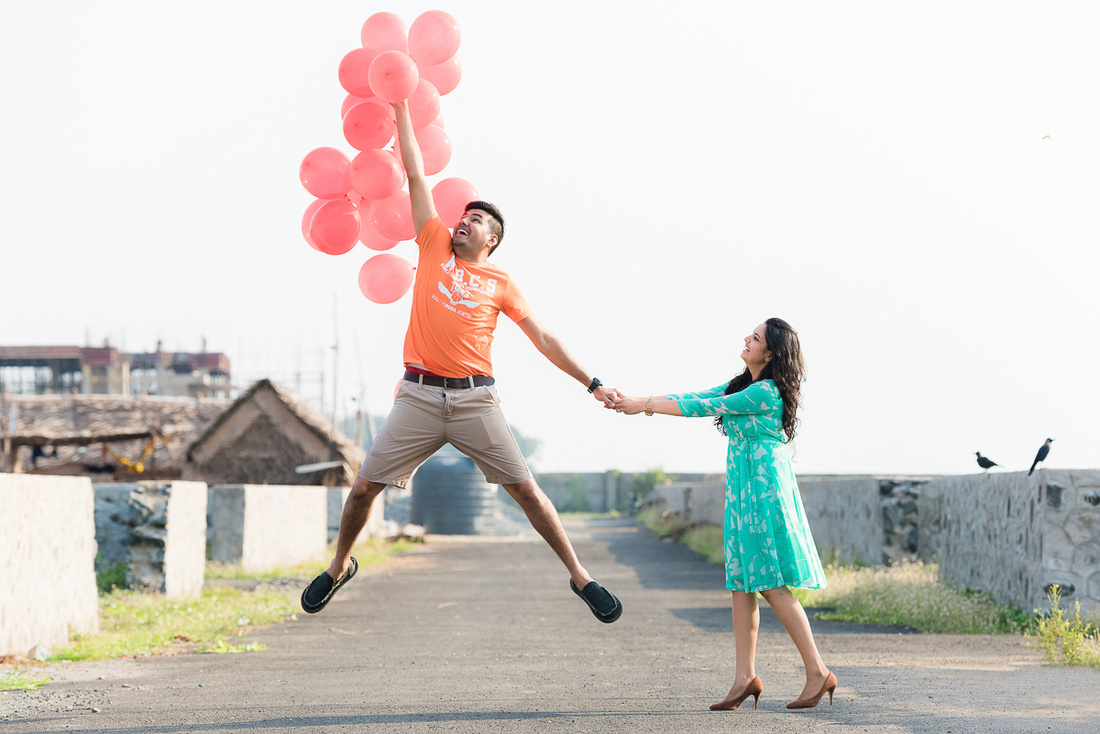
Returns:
point(754, 689)
point(808, 703)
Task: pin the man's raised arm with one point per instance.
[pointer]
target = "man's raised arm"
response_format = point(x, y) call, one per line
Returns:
point(423, 207)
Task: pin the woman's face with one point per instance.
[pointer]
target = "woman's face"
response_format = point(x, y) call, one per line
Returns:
point(756, 353)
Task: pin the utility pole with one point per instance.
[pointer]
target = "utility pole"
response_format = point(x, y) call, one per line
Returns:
point(335, 357)
point(362, 420)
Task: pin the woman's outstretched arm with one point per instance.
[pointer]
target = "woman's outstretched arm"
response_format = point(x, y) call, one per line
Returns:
point(653, 404)
point(758, 398)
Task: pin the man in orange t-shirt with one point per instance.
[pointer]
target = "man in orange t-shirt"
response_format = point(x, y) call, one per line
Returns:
point(448, 393)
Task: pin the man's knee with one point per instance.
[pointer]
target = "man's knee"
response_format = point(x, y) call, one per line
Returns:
point(526, 492)
point(364, 490)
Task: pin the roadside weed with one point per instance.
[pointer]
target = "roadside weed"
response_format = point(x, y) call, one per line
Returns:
point(18, 680)
point(1065, 641)
point(220, 646)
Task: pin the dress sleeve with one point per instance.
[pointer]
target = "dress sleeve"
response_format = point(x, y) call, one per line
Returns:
point(711, 393)
point(757, 399)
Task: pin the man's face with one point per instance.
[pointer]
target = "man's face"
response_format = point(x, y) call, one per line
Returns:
point(473, 231)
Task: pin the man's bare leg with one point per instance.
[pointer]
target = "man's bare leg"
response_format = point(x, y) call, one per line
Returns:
point(352, 521)
point(544, 518)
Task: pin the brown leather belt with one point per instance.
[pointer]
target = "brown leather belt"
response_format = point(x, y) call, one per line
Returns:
point(450, 383)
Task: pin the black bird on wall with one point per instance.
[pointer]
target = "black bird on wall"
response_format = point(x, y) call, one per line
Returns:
point(985, 463)
point(1043, 451)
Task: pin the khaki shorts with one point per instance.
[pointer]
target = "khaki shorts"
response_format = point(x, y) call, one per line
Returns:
point(424, 418)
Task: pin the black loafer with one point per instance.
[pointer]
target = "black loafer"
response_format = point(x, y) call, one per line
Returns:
point(604, 605)
point(322, 588)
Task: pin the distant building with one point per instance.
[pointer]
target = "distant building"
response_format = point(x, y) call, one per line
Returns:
point(107, 371)
point(270, 435)
point(111, 438)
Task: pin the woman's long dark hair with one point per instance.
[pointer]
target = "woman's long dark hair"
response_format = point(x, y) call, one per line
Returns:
point(785, 368)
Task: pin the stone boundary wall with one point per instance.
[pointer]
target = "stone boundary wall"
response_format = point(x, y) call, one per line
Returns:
point(265, 526)
point(1014, 535)
point(866, 519)
point(158, 529)
point(845, 517)
point(47, 553)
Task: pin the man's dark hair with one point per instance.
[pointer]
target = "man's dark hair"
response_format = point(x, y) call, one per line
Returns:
point(496, 221)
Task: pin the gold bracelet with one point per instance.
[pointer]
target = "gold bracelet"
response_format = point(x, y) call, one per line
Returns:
point(649, 406)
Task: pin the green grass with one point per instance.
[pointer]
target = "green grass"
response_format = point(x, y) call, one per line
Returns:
point(220, 646)
point(134, 623)
point(910, 594)
point(18, 680)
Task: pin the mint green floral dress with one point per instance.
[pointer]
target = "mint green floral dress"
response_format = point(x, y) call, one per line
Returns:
point(767, 538)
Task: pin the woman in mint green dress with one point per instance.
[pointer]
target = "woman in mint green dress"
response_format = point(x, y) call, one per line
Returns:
point(767, 538)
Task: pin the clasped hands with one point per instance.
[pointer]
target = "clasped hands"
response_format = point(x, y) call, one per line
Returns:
point(616, 400)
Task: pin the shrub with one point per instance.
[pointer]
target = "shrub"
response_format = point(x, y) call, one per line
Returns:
point(1065, 641)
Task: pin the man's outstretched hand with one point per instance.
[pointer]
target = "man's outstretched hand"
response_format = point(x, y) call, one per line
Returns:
point(606, 395)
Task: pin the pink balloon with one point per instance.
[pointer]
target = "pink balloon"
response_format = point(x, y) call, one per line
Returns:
point(434, 37)
point(334, 228)
point(351, 100)
point(435, 147)
point(376, 174)
point(444, 76)
point(385, 278)
point(451, 195)
point(392, 217)
point(368, 235)
point(424, 104)
point(370, 124)
point(354, 71)
point(324, 173)
point(385, 32)
point(393, 76)
point(307, 219)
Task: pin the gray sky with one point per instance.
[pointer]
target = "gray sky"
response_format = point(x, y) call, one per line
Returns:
point(913, 186)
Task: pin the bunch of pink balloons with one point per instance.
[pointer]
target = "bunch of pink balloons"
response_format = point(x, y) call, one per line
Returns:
point(363, 199)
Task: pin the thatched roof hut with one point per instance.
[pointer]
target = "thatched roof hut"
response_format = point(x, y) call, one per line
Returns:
point(107, 437)
point(271, 436)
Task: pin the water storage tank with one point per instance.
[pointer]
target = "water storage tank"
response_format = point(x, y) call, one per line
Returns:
point(451, 497)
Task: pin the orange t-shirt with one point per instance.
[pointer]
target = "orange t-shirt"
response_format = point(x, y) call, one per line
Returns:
point(454, 308)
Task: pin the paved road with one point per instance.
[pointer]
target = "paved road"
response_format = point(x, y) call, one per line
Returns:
point(483, 635)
